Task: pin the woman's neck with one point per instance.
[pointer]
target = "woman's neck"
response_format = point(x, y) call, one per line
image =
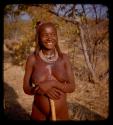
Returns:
point(49, 56)
point(48, 52)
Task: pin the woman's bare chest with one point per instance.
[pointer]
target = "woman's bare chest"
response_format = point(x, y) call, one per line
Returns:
point(43, 71)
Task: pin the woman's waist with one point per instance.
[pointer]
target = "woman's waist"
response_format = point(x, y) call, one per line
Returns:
point(43, 103)
point(44, 98)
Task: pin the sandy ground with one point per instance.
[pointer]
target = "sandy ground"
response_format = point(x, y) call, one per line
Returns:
point(89, 100)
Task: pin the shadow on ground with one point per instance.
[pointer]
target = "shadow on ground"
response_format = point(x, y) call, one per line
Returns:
point(80, 112)
point(13, 110)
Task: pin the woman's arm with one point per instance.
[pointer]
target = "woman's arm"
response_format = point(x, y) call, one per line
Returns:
point(47, 88)
point(68, 86)
point(27, 86)
point(43, 88)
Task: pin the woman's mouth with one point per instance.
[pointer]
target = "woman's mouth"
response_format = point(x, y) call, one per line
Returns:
point(50, 43)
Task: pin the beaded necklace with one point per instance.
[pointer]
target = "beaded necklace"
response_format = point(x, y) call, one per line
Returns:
point(49, 58)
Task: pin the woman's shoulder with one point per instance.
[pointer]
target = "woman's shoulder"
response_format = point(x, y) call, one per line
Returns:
point(31, 58)
point(65, 56)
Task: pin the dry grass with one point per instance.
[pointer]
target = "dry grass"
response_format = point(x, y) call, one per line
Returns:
point(88, 97)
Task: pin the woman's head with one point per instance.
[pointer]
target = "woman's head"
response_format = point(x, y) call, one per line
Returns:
point(46, 36)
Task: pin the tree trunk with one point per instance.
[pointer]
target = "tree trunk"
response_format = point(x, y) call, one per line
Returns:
point(95, 79)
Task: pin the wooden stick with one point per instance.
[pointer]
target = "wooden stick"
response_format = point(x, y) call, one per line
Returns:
point(53, 113)
point(52, 103)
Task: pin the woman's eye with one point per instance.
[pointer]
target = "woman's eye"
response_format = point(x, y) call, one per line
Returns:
point(53, 34)
point(47, 35)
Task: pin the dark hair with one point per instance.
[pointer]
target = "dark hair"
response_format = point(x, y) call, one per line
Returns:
point(39, 46)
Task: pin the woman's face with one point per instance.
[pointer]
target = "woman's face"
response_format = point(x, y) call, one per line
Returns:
point(48, 37)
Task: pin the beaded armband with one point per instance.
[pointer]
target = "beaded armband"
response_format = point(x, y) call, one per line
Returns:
point(34, 89)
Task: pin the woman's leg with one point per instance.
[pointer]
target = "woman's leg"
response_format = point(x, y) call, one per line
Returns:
point(37, 114)
point(63, 114)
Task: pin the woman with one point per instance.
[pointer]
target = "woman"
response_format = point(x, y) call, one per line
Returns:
point(48, 75)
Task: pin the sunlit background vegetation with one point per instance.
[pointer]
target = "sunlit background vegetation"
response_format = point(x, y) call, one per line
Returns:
point(83, 34)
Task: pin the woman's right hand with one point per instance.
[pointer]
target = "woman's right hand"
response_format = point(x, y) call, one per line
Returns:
point(46, 85)
point(54, 93)
point(37, 90)
point(48, 88)
point(43, 87)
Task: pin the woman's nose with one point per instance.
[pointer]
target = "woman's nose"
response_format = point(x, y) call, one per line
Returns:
point(49, 37)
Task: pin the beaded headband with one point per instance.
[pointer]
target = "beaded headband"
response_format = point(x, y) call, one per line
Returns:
point(38, 24)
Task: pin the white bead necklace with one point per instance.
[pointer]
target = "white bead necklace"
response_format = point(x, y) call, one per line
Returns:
point(48, 58)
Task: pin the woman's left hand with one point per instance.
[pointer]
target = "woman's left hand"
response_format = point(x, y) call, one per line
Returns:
point(46, 85)
point(54, 93)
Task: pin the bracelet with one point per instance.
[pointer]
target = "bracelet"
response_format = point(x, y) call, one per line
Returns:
point(35, 89)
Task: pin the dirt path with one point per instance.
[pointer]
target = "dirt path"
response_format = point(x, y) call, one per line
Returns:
point(89, 101)
point(17, 103)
